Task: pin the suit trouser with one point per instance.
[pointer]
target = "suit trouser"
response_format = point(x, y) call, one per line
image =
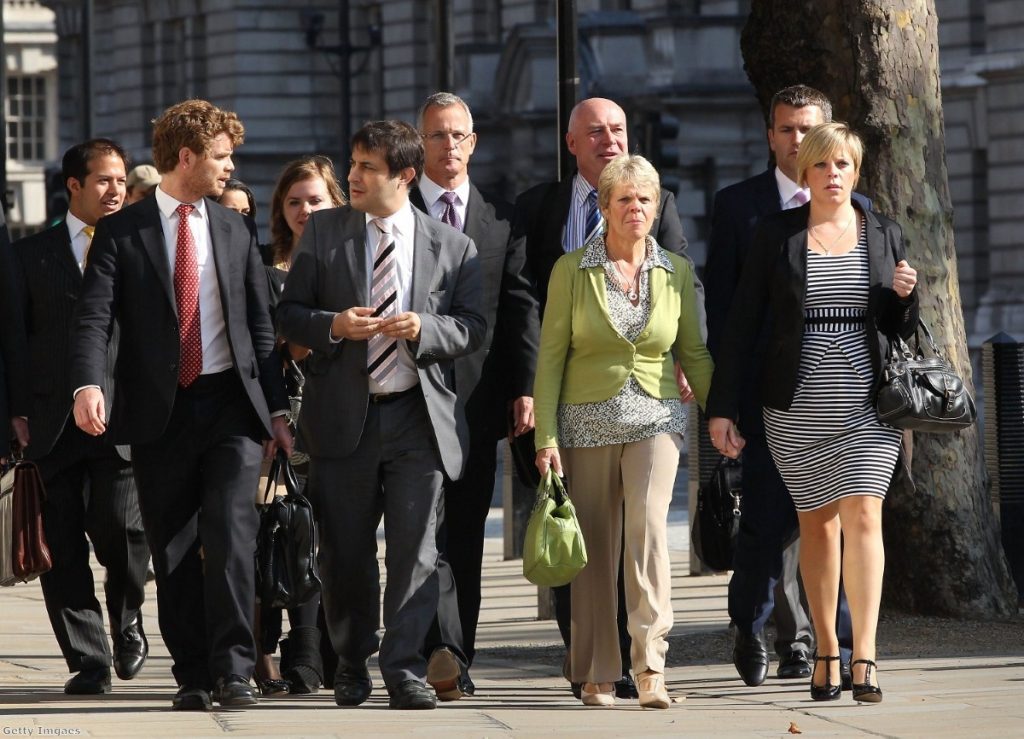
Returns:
point(622, 489)
point(767, 525)
point(90, 492)
point(460, 567)
point(394, 471)
point(197, 486)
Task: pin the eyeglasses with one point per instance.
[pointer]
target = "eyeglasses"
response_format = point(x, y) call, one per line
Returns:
point(443, 137)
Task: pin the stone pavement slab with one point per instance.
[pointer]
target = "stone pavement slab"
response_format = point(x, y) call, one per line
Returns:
point(520, 690)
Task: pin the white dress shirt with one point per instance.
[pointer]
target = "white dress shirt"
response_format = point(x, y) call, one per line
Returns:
point(788, 189)
point(432, 192)
point(403, 231)
point(216, 350)
point(79, 239)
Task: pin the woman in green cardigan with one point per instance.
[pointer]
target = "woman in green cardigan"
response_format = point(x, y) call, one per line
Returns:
point(621, 313)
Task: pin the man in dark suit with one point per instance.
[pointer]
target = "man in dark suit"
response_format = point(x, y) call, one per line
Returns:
point(387, 298)
point(765, 578)
point(90, 488)
point(559, 217)
point(498, 374)
point(196, 385)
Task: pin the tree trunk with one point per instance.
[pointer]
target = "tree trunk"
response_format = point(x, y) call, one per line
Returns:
point(878, 63)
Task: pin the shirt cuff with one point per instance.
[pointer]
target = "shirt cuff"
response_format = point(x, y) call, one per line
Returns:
point(84, 387)
point(278, 414)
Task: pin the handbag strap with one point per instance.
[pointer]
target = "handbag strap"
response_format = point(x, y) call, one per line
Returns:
point(551, 486)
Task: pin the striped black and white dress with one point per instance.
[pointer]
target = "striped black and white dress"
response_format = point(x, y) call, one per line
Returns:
point(830, 444)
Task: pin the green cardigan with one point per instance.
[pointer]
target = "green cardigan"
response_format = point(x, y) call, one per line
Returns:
point(584, 359)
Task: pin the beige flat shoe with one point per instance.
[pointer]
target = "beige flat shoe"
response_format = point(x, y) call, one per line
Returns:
point(599, 694)
point(651, 686)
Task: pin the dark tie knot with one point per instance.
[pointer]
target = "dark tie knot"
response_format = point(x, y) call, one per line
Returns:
point(382, 225)
point(592, 198)
point(449, 198)
point(185, 210)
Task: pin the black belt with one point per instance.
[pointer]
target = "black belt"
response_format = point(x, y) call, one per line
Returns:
point(388, 397)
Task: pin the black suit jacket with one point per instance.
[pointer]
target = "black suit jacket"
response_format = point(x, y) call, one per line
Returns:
point(6, 290)
point(129, 279)
point(772, 288)
point(734, 218)
point(502, 368)
point(38, 327)
point(540, 216)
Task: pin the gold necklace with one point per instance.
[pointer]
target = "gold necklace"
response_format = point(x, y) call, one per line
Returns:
point(828, 249)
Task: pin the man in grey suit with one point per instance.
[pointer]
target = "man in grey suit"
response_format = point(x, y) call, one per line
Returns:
point(387, 298)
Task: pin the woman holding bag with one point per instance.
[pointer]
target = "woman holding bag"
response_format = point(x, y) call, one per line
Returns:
point(829, 284)
point(621, 312)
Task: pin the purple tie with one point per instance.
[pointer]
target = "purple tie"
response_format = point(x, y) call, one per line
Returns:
point(800, 198)
point(449, 215)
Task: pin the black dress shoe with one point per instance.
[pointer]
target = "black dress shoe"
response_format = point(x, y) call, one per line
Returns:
point(411, 695)
point(828, 691)
point(865, 692)
point(793, 665)
point(352, 685)
point(191, 698)
point(234, 690)
point(89, 682)
point(625, 688)
point(130, 651)
point(846, 675)
point(750, 656)
point(577, 690)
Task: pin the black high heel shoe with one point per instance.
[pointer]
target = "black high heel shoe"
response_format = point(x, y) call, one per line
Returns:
point(828, 691)
point(865, 692)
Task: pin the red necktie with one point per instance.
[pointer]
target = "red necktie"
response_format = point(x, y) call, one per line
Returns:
point(186, 293)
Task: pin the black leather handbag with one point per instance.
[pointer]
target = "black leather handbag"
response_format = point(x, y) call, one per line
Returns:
point(716, 525)
point(286, 569)
point(922, 393)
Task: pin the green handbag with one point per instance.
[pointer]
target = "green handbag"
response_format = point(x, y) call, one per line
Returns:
point(554, 552)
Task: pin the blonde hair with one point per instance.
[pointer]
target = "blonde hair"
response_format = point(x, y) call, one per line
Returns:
point(825, 141)
point(628, 168)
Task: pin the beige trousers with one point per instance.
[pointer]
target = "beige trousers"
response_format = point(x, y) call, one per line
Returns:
point(639, 475)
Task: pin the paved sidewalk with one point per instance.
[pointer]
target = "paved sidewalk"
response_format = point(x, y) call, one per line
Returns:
point(520, 690)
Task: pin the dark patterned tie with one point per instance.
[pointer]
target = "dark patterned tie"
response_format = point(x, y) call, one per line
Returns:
point(382, 351)
point(593, 217)
point(186, 293)
point(449, 215)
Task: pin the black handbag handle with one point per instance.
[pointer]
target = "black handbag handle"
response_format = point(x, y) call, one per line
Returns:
point(281, 470)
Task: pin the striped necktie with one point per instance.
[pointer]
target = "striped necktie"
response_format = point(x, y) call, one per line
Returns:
point(593, 217)
point(382, 351)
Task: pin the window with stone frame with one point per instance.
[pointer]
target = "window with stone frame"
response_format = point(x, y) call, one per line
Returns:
point(25, 109)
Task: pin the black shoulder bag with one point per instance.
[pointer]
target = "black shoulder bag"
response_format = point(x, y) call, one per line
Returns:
point(922, 393)
point(286, 570)
point(717, 523)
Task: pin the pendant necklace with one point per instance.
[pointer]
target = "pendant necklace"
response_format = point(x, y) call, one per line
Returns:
point(828, 249)
point(630, 287)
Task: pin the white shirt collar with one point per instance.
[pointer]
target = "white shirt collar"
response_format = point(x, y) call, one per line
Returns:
point(787, 188)
point(432, 192)
point(403, 221)
point(581, 189)
point(169, 205)
point(74, 224)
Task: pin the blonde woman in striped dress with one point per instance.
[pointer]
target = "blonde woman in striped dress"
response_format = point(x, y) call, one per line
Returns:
point(832, 281)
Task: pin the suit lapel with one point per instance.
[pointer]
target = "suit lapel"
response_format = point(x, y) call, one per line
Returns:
point(796, 252)
point(479, 218)
point(151, 234)
point(220, 245)
point(64, 256)
point(353, 252)
point(559, 215)
point(425, 252)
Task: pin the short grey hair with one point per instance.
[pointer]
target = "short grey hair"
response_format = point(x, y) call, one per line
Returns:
point(443, 100)
point(628, 168)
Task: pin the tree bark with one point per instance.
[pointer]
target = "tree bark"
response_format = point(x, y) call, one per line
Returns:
point(878, 63)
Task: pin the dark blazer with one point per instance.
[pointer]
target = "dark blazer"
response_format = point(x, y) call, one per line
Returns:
point(737, 210)
point(772, 288)
point(328, 276)
point(540, 215)
point(46, 284)
point(502, 368)
point(129, 279)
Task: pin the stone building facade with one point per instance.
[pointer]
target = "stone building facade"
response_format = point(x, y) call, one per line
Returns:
point(675, 66)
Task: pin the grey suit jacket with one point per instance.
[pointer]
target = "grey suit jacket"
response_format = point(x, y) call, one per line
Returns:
point(328, 276)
